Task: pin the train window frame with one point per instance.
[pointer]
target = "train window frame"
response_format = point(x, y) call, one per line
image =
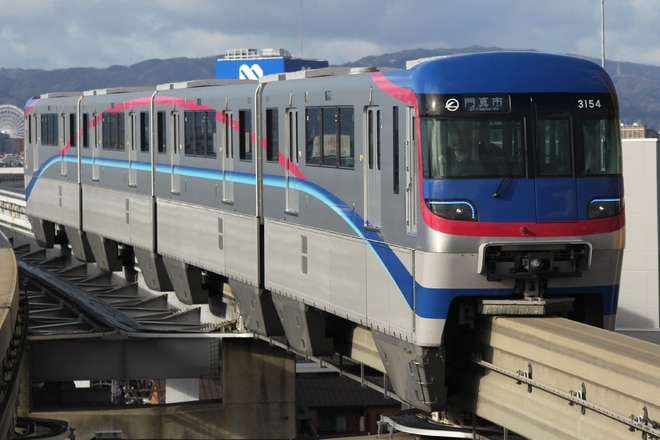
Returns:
point(161, 132)
point(72, 130)
point(245, 135)
point(49, 129)
point(470, 147)
point(395, 150)
point(145, 132)
point(272, 135)
point(551, 161)
point(330, 123)
point(113, 127)
point(85, 130)
point(609, 156)
point(199, 133)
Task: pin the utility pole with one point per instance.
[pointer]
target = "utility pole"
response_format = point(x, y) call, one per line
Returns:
point(301, 30)
point(602, 32)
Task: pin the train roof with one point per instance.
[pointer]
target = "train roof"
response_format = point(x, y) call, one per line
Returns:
point(202, 83)
point(58, 95)
point(504, 72)
point(116, 90)
point(317, 73)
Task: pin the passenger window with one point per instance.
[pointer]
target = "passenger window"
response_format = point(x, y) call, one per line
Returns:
point(161, 133)
point(313, 136)
point(272, 135)
point(113, 131)
point(199, 128)
point(72, 130)
point(245, 137)
point(85, 130)
point(144, 132)
point(330, 137)
point(49, 129)
point(395, 150)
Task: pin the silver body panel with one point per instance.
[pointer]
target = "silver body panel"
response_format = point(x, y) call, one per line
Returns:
point(221, 242)
point(118, 216)
point(333, 272)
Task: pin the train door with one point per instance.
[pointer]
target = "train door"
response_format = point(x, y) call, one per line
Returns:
point(556, 185)
point(227, 158)
point(132, 142)
point(411, 171)
point(292, 159)
point(175, 154)
point(96, 169)
point(372, 166)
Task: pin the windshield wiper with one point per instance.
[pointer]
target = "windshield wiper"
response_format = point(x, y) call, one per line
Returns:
point(507, 175)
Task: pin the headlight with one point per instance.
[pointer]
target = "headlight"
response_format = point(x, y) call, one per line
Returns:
point(453, 209)
point(602, 208)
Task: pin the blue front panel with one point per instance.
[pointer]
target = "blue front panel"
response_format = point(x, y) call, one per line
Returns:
point(527, 200)
point(556, 200)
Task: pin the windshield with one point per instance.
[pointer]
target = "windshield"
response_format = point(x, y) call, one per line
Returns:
point(472, 148)
point(601, 147)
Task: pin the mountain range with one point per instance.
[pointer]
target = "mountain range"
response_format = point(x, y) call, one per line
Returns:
point(638, 85)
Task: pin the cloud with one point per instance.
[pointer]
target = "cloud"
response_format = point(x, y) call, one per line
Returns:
point(94, 33)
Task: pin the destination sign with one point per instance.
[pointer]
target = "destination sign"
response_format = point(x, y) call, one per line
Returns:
point(479, 104)
point(463, 104)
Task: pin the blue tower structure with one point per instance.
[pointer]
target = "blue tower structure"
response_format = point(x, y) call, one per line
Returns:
point(249, 64)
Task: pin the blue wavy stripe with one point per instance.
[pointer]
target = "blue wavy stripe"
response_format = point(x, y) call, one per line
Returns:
point(392, 264)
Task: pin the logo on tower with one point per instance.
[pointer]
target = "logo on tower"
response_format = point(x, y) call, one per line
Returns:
point(253, 72)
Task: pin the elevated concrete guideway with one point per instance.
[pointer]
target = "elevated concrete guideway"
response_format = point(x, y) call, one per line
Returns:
point(550, 378)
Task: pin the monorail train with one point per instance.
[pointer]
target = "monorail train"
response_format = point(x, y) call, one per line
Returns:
point(394, 203)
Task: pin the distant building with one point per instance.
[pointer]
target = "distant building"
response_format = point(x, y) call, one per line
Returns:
point(249, 64)
point(637, 131)
point(9, 144)
point(331, 405)
point(6, 143)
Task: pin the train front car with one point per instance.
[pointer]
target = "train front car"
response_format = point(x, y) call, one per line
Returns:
point(520, 190)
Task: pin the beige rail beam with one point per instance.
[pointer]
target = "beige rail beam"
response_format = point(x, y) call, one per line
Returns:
point(549, 378)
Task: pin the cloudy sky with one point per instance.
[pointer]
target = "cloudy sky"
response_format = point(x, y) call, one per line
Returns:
point(48, 34)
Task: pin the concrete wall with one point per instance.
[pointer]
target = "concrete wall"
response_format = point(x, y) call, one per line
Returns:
point(639, 299)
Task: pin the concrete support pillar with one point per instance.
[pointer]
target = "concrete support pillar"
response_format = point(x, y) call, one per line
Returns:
point(259, 390)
